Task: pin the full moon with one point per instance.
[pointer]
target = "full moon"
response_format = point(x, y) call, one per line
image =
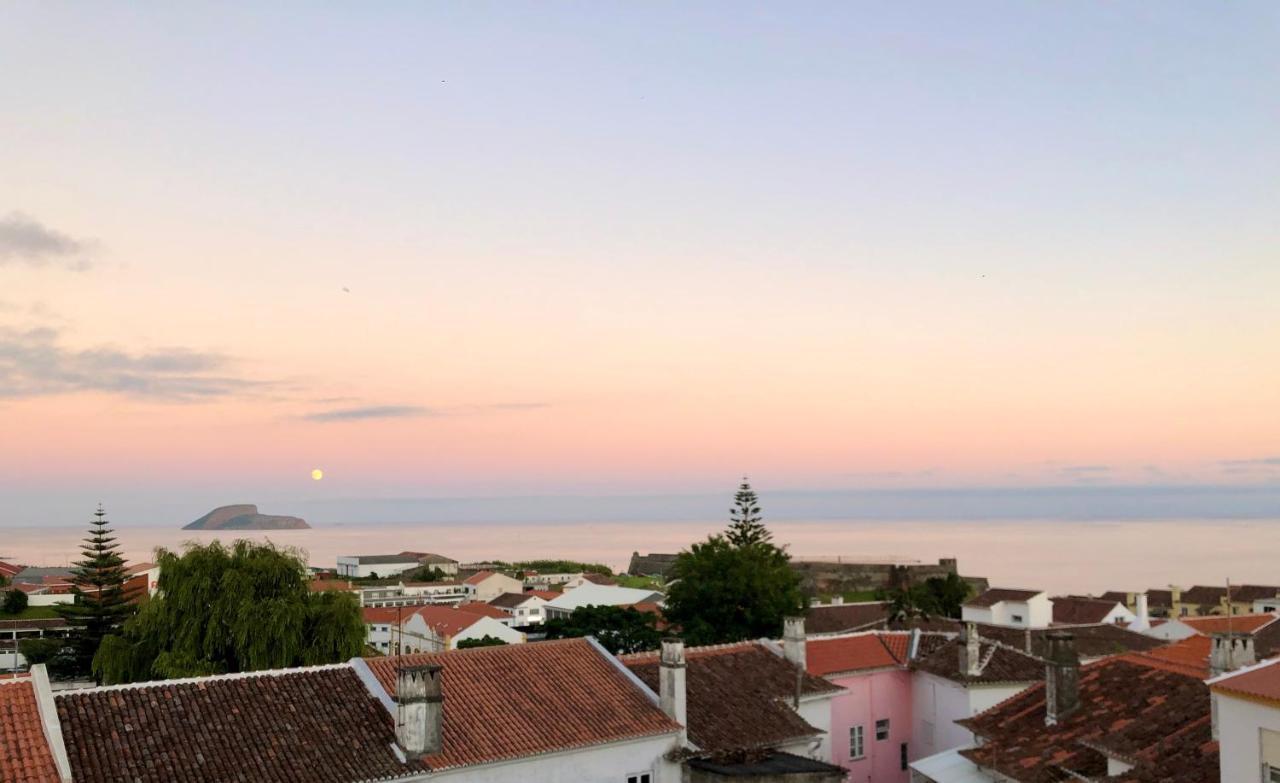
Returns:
point(317, 474)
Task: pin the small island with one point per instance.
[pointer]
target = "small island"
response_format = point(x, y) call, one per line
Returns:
point(245, 517)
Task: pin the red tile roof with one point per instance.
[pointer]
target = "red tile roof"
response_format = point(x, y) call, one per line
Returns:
point(839, 618)
point(848, 654)
point(24, 751)
point(9, 569)
point(1189, 656)
point(598, 579)
point(321, 585)
point(737, 695)
point(995, 595)
point(1076, 610)
point(997, 663)
point(483, 609)
point(546, 595)
point(1255, 682)
point(478, 577)
point(1241, 623)
point(445, 620)
point(522, 700)
point(309, 725)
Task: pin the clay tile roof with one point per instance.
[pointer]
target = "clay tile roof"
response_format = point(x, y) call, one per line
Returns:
point(1241, 623)
point(1252, 593)
point(999, 663)
point(1152, 717)
point(840, 618)
point(478, 577)
point(482, 609)
point(838, 654)
point(9, 569)
point(24, 751)
point(546, 595)
point(1255, 682)
point(526, 699)
point(316, 724)
point(1076, 609)
point(598, 579)
point(736, 695)
point(321, 585)
point(1188, 656)
point(509, 600)
point(1092, 641)
point(1201, 594)
point(997, 594)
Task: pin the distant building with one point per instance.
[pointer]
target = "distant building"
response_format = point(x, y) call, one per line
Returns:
point(833, 575)
point(446, 564)
point(1010, 608)
point(1202, 600)
point(525, 608)
point(488, 585)
point(588, 579)
point(430, 628)
point(1083, 610)
point(537, 581)
point(406, 593)
point(652, 564)
point(365, 566)
point(599, 595)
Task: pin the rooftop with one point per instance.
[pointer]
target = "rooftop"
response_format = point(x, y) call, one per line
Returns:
point(1241, 623)
point(521, 700)
point(997, 663)
point(24, 750)
point(1259, 682)
point(602, 595)
point(736, 695)
point(381, 559)
point(1076, 610)
point(995, 595)
point(839, 618)
point(1189, 656)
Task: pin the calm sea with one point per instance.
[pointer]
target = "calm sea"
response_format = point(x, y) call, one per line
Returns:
point(1053, 555)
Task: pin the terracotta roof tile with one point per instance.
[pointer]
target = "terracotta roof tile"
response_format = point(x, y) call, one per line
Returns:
point(1256, 682)
point(995, 595)
point(1080, 610)
point(478, 577)
point(999, 663)
point(24, 751)
point(838, 654)
point(521, 700)
point(482, 609)
point(1188, 656)
point(841, 618)
point(510, 600)
point(310, 725)
point(1241, 623)
point(736, 695)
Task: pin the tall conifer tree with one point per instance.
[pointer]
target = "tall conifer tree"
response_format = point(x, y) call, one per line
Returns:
point(100, 606)
point(745, 525)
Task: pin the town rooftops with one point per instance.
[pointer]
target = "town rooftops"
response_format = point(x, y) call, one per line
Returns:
point(25, 756)
point(319, 723)
point(528, 699)
point(996, 595)
point(765, 764)
point(602, 595)
point(1189, 656)
point(652, 564)
point(841, 618)
point(834, 655)
point(479, 577)
point(444, 620)
point(1152, 718)
point(736, 695)
point(997, 663)
point(1240, 623)
point(598, 579)
point(1260, 682)
point(510, 600)
point(429, 558)
point(1076, 610)
point(1092, 641)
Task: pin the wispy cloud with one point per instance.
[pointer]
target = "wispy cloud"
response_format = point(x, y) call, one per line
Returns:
point(25, 240)
point(1259, 462)
point(33, 363)
point(1085, 470)
point(414, 411)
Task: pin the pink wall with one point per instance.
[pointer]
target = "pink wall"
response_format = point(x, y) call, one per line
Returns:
point(871, 697)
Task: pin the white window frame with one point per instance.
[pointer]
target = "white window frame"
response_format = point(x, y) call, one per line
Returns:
point(857, 739)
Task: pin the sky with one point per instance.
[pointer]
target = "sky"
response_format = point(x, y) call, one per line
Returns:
point(508, 250)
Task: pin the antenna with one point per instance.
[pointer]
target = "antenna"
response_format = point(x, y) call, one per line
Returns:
point(1231, 644)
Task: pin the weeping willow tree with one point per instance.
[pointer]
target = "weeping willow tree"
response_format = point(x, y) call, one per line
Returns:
point(223, 609)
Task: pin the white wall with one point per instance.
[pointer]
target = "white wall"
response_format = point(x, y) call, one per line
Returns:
point(347, 566)
point(1120, 614)
point(488, 626)
point(496, 585)
point(1034, 613)
point(1241, 727)
point(605, 764)
point(976, 614)
point(939, 701)
point(50, 599)
point(817, 713)
point(1173, 630)
point(1041, 608)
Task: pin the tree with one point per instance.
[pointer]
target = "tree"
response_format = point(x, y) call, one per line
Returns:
point(15, 602)
point(745, 527)
point(242, 608)
point(41, 649)
point(619, 629)
point(483, 641)
point(425, 573)
point(99, 607)
point(910, 601)
point(949, 594)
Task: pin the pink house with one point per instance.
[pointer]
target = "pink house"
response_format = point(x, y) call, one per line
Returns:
point(871, 721)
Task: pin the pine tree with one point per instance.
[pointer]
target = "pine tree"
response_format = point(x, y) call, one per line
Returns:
point(745, 525)
point(100, 607)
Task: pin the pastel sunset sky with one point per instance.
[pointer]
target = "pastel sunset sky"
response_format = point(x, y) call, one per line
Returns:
point(499, 249)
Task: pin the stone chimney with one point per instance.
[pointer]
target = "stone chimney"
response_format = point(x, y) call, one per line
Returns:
point(793, 640)
point(970, 651)
point(421, 709)
point(1062, 676)
point(1230, 651)
point(1143, 623)
point(671, 683)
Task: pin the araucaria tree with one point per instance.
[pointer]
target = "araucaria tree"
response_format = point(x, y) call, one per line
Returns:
point(736, 585)
point(745, 525)
point(220, 610)
point(100, 607)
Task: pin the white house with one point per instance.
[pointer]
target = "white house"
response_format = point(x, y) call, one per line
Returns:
point(436, 628)
point(524, 608)
point(599, 595)
point(544, 581)
point(1010, 608)
point(1246, 715)
point(365, 566)
point(588, 579)
point(488, 585)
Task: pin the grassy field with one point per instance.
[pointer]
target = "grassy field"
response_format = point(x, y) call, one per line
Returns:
point(31, 613)
point(639, 582)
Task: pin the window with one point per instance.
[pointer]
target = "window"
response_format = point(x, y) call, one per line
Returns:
point(902, 756)
point(1017, 618)
point(639, 777)
point(855, 742)
point(882, 729)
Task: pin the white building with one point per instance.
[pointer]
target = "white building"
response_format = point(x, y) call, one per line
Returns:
point(525, 608)
point(599, 595)
point(1010, 608)
point(544, 581)
point(488, 585)
point(437, 628)
point(366, 566)
point(1246, 714)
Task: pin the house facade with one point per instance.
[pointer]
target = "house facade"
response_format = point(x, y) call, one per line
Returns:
point(1011, 608)
point(525, 609)
point(366, 566)
point(1246, 711)
point(488, 585)
point(599, 595)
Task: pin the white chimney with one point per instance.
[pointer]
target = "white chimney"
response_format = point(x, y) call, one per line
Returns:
point(1143, 623)
point(970, 655)
point(421, 709)
point(671, 684)
point(837, 600)
point(793, 640)
point(1230, 651)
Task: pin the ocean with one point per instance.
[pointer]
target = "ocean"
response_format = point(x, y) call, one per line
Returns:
point(1055, 555)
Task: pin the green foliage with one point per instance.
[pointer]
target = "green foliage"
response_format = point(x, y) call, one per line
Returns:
point(563, 567)
point(639, 582)
point(220, 609)
point(41, 650)
point(619, 629)
point(100, 607)
point(949, 594)
point(936, 597)
point(31, 613)
point(483, 641)
point(425, 573)
point(745, 525)
point(15, 602)
point(726, 593)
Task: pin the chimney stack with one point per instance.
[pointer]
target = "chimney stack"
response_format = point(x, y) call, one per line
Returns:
point(1062, 676)
point(421, 709)
point(671, 683)
point(793, 641)
point(837, 600)
point(970, 651)
point(1230, 651)
point(1143, 623)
